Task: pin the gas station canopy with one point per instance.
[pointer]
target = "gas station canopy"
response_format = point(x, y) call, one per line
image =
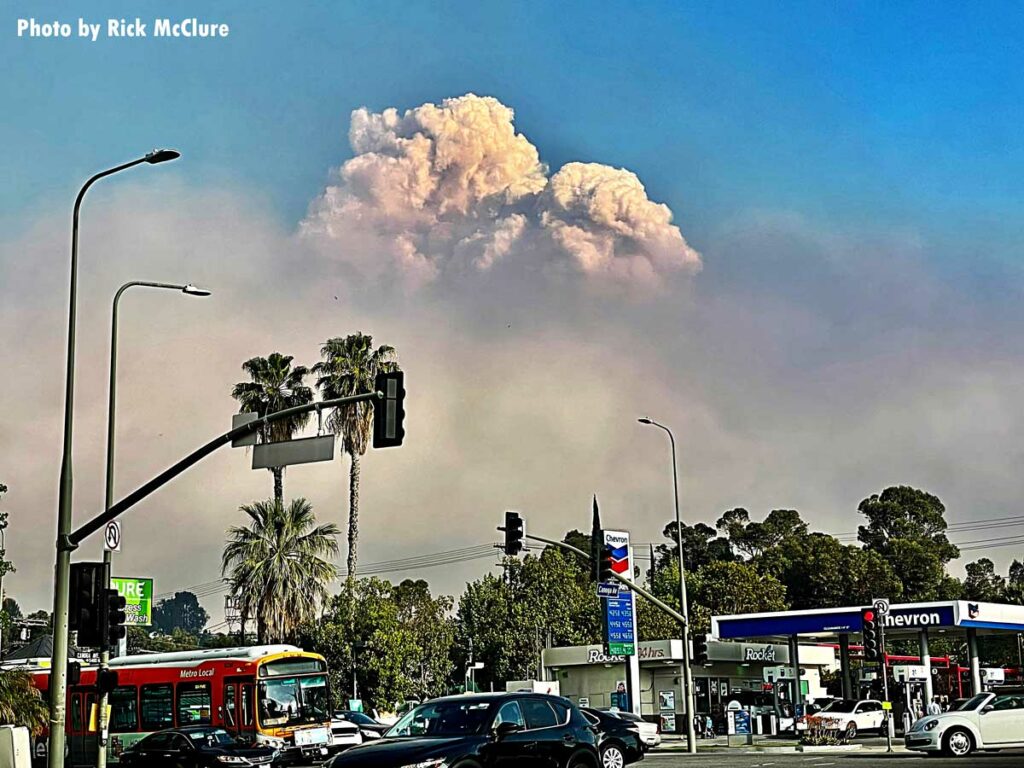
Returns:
point(903, 618)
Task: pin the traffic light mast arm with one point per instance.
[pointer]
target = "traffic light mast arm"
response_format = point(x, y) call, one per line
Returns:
point(133, 498)
point(639, 590)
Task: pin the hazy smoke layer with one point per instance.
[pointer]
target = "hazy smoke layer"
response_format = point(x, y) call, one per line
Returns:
point(454, 189)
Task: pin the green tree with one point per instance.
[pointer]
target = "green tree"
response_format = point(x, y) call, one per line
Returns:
point(278, 565)
point(274, 384)
point(350, 366)
point(20, 702)
point(701, 546)
point(983, 583)
point(752, 539)
point(401, 636)
point(818, 571)
point(907, 527)
point(509, 620)
point(183, 611)
point(1014, 590)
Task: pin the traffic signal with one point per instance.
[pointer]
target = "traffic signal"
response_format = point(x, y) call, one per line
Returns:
point(700, 649)
point(515, 533)
point(74, 673)
point(86, 605)
point(115, 617)
point(605, 573)
point(106, 680)
point(872, 635)
point(389, 413)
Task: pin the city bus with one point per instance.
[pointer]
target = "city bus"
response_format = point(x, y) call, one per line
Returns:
point(271, 694)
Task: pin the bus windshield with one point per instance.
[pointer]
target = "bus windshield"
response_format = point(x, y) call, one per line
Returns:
point(287, 701)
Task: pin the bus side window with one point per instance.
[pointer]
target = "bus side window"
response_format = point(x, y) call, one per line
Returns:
point(246, 704)
point(124, 709)
point(156, 705)
point(229, 704)
point(76, 713)
point(193, 704)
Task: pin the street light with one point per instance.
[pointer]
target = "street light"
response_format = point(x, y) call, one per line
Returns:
point(191, 290)
point(59, 660)
point(691, 736)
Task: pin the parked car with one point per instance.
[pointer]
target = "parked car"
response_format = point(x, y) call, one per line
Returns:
point(517, 730)
point(344, 734)
point(650, 733)
point(194, 746)
point(850, 716)
point(367, 726)
point(988, 721)
point(619, 741)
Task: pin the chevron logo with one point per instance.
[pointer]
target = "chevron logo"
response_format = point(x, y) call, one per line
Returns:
point(620, 559)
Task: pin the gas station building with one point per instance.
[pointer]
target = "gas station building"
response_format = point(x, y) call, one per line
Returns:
point(923, 621)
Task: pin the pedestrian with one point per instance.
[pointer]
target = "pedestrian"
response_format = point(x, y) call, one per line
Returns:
point(934, 706)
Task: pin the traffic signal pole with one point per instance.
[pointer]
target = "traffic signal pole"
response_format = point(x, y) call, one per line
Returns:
point(68, 542)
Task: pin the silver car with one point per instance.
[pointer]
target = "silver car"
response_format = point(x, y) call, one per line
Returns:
point(987, 721)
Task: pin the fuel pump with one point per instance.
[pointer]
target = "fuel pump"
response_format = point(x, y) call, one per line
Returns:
point(911, 679)
point(991, 677)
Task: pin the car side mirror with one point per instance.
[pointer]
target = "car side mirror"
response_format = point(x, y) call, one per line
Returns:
point(988, 708)
point(506, 728)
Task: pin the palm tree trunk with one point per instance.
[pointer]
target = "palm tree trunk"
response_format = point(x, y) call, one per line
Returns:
point(278, 473)
point(353, 515)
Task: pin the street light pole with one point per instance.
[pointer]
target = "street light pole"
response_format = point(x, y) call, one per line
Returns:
point(687, 674)
point(101, 746)
point(62, 567)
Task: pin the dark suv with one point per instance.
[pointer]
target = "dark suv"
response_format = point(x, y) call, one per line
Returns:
point(512, 730)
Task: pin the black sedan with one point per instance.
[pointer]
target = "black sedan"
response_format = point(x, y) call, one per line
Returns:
point(510, 730)
point(368, 727)
point(194, 746)
point(619, 740)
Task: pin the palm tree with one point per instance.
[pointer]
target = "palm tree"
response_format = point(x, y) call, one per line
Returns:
point(279, 566)
point(20, 701)
point(349, 367)
point(274, 385)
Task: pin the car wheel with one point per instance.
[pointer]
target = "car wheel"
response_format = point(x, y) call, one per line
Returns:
point(851, 731)
point(582, 760)
point(612, 757)
point(958, 743)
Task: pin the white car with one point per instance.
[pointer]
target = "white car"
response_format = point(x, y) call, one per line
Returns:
point(987, 721)
point(650, 734)
point(850, 717)
point(344, 734)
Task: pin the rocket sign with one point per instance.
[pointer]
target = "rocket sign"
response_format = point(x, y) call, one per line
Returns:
point(618, 541)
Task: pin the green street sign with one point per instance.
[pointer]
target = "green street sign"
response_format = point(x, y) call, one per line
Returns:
point(138, 596)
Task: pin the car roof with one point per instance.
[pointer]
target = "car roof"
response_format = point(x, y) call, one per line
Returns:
point(497, 696)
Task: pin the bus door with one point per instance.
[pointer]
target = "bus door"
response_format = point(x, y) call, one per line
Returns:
point(81, 742)
point(239, 707)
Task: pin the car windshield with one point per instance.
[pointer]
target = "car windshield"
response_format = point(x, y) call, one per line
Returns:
point(971, 704)
point(442, 718)
point(840, 705)
point(292, 700)
point(211, 736)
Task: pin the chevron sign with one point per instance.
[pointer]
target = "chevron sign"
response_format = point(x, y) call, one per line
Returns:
point(619, 543)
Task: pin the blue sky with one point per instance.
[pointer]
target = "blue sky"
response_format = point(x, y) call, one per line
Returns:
point(895, 114)
point(849, 173)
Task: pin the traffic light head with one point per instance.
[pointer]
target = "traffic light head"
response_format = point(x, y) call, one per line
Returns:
point(700, 649)
point(605, 573)
point(86, 603)
point(515, 533)
point(389, 413)
point(871, 635)
point(115, 615)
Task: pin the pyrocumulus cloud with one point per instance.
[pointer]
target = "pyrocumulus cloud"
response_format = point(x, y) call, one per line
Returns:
point(454, 189)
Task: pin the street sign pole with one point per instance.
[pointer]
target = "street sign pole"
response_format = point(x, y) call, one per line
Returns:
point(881, 606)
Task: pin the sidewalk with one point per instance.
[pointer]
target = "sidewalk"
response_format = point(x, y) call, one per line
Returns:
point(676, 742)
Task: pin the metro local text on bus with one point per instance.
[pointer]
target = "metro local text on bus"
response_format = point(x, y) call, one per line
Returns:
point(187, 673)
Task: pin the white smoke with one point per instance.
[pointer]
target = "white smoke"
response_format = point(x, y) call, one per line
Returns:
point(454, 189)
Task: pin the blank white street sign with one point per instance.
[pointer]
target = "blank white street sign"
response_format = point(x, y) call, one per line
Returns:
point(112, 536)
